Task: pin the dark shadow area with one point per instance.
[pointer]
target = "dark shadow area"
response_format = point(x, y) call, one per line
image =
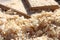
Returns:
point(27, 6)
point(58, 1)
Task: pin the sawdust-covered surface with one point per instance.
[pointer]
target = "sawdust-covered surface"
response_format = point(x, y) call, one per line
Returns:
point(41, 26)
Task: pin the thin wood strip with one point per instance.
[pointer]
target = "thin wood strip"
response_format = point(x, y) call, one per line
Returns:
point(18, 12)
point(53, 7)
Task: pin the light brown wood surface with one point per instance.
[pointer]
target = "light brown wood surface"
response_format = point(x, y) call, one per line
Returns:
point(15, 4)
point(42, 4)
point(14, 10)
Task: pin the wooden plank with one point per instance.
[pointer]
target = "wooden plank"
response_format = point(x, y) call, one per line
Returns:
point(42, 4)
point(15, 4)
point(14, 10)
